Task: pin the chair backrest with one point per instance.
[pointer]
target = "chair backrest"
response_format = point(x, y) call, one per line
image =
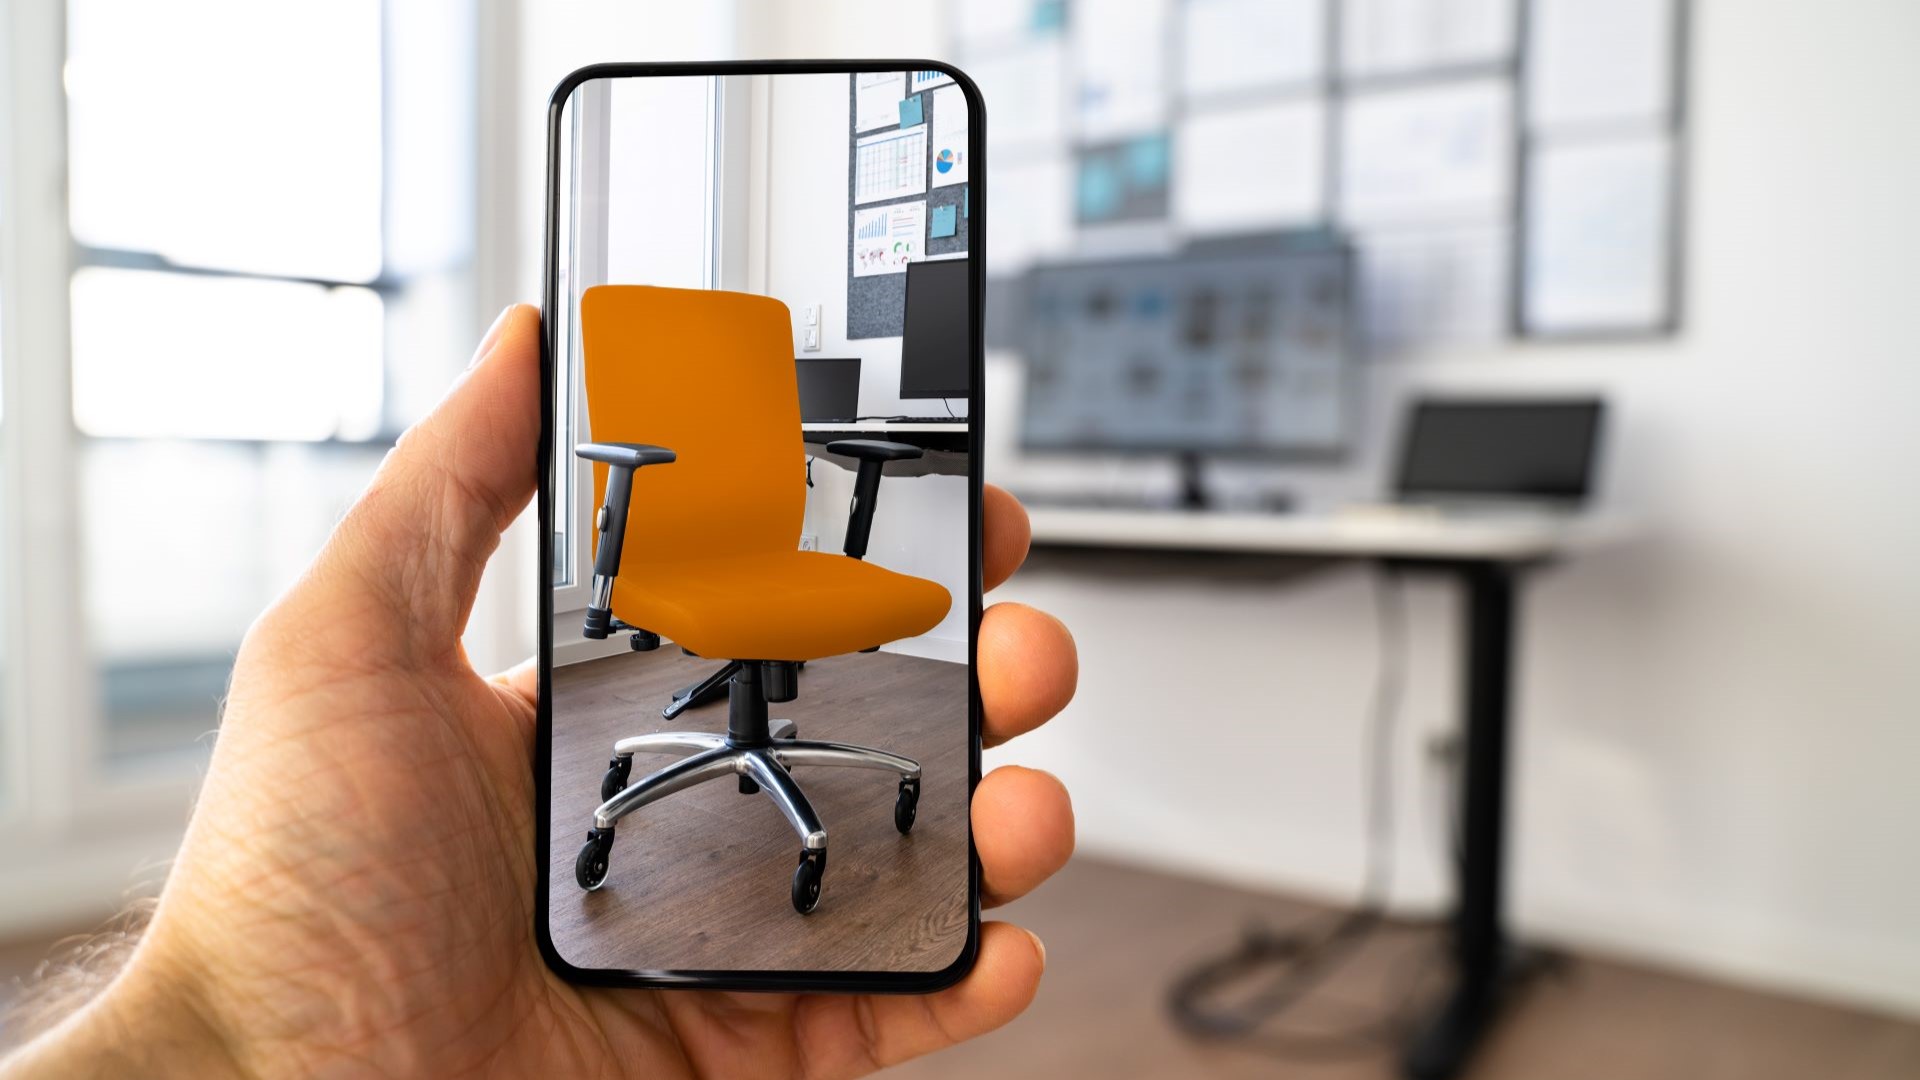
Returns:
point(710, 376)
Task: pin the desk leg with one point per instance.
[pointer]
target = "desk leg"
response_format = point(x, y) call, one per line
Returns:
point(1447, 1040)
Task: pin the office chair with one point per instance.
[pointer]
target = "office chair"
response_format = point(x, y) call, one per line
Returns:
point(702, 382)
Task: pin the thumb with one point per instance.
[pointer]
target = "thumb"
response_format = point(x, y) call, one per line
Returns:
point(409, 553)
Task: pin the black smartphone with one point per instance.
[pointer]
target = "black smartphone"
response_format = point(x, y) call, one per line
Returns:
point(759, 724)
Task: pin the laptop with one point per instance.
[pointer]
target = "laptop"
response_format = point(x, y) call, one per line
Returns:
point(829, 388)
point(1499, 455)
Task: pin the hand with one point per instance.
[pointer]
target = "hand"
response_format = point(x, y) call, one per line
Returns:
point(355, 891)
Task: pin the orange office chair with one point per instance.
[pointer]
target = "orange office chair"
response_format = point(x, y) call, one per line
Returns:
point(703, 383)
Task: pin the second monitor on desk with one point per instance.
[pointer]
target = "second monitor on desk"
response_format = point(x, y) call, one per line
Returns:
point(1241, 352)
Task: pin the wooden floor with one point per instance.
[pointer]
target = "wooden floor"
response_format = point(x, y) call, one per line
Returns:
point(1115, 937)
point(701, 879)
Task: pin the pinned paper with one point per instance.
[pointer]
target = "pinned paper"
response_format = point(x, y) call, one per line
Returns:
point(943, 222)
point(1098, 190)
point(1147, 158)
point(910, 111)
point(965, 201)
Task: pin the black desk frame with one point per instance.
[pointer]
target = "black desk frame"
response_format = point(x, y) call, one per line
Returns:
point(1482, 958)
point(1485, 964)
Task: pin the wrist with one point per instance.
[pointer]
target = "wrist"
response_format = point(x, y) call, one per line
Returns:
point(149, 1021)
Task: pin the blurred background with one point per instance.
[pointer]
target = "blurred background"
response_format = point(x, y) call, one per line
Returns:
point(242, 246)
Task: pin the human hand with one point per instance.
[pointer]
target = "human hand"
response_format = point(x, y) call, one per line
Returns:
point(355, 893)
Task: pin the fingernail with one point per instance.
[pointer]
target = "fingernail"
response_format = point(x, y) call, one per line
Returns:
point(492, 335)
point(1039, 947)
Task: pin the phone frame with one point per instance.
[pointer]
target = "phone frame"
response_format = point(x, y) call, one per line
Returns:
point(744, 979)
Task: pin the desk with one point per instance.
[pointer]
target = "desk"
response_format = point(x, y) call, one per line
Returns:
point(945, 444)
point(1487, 556)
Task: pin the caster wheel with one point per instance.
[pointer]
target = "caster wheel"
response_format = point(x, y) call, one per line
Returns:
point(590, 867)
point(615, 780)
point(749, 787)
point(806, 881)
point(906, 805)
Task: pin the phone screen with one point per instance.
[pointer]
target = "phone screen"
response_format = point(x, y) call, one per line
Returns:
point(760, 507)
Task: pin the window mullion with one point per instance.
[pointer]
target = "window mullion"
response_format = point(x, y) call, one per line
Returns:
point(50, 711)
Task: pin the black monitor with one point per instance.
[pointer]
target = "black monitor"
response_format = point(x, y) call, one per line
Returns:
point(936, 347)
point(829, 388)
point(1225, 350)
point(1533, 449)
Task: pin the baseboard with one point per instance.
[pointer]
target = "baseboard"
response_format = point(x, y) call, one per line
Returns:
point(931, 648)
point(1826, 967)
point(72, 887)
point(1823, 966)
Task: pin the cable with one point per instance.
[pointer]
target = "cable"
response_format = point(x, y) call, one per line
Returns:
point(949, 406)
point(1301, 956)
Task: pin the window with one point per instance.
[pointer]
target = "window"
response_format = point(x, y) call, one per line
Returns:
point(272, 220)
point(659, 157)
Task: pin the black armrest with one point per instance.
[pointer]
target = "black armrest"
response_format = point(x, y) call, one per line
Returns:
point(874, 450)
point(873, 455)
point(632, 455)
point(611, 522)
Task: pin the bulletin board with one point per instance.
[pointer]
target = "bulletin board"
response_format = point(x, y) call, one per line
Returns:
point(1503, 168)
point(907, 189)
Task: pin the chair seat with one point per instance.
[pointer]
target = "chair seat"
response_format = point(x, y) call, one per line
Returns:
point(794, 605)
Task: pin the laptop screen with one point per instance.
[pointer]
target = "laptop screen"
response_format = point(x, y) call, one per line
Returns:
point(1529, 449)
point(829, 388)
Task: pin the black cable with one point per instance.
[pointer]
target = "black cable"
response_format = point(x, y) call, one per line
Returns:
point(949, 406)
point(1300, 957)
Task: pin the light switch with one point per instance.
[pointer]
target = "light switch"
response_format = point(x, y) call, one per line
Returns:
point(812, 339)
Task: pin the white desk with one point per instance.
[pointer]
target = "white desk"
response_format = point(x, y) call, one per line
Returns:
point(945, 444)
point(1384, 535)
point(1487, 556)
point(880, 427)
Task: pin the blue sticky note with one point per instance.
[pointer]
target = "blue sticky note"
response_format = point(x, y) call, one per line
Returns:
point(910, 111)
point(1049, 14)
point(1147, 161)
point(1098, 190)
point(966, 199)
point(943, 224)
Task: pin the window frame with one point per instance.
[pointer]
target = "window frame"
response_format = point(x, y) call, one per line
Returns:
point(74, 822)
point(724, 217)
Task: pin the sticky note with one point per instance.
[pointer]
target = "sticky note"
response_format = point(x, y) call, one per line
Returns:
point(1049, 14)
point(910, 111)
point(1147, 161)
point(1098, 190)
point(966, 199)
point(943, 224)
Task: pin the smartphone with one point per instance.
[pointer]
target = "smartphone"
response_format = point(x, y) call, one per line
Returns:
point(759, 724)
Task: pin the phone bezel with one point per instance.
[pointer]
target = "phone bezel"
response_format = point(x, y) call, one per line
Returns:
point(730, 979)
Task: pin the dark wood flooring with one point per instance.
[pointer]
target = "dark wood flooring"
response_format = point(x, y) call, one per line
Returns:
point(1117, 936)
point(700, 880)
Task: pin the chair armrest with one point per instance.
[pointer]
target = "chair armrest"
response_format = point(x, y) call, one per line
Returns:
point(874, 450)
point(873, 455)
point(629, 455)
point(611, 522)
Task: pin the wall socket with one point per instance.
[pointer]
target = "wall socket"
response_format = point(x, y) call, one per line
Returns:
point(809, 542)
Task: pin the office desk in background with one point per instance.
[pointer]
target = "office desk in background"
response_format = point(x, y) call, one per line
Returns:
point(945, 444)
point(1487, 556)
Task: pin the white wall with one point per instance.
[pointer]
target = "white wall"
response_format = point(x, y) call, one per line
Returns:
point(1720, 723)
point(1718, 762)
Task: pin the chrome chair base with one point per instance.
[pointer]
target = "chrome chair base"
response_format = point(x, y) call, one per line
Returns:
point(759, 768)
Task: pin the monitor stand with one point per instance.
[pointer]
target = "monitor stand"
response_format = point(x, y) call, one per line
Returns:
point(1194, 497)
point(1193, 486)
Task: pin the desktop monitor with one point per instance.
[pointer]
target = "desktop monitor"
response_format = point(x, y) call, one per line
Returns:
point(1530, 449)
point(1227, 351)
point(935, 347)
point(829, 388)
